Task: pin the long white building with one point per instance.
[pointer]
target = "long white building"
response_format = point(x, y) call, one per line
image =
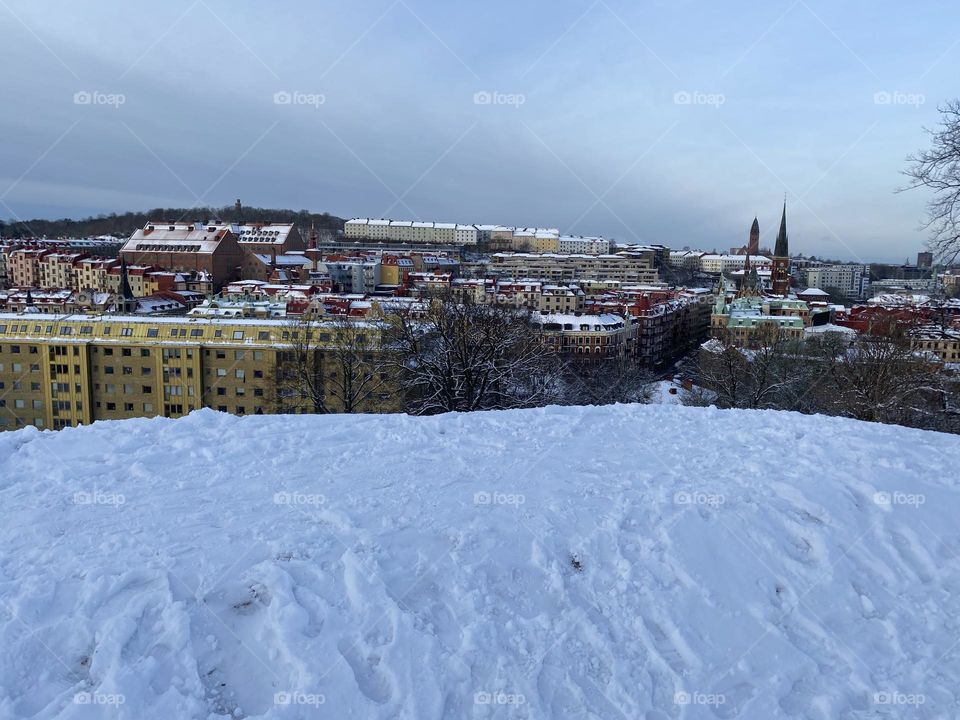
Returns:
point(408, 231)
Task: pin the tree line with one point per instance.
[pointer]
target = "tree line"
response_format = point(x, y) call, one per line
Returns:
point(878, 377)
point(123, 225)
point(453, 355)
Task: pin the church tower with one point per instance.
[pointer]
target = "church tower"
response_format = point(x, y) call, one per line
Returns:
point(780, 275)
point(753, 246)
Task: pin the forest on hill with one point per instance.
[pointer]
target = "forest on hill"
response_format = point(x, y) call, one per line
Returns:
point(124, 224)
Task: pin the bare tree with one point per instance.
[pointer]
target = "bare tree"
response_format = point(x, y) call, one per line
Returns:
point(333, 365)
point(605, 381)
point(880, 378)
point(299, 373)
point(938, 169)
point(357, 369)
point(764, 375)
point(462, 356)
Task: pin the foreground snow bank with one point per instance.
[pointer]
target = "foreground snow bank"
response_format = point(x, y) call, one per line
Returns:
point(621, 562)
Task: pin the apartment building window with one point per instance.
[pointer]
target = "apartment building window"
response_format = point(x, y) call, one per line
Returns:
point(109, 388)
point(221, 372)
point(258, 373)
point(221, 355)
point(152, 332)
point(173, 333)
point(241, 410)
point(221, 408)
point(108, 370)
point(221, 391)
point(258, 355)
point(263, 335)
point(33, 349)
point(111, 406)
point(258, 392)
point(145, 370)
point(86, 330)
point(128, 407)
point(18, 403)
point(238, 334)
point(146, 389)
point(108, 351)
point(128, 389)
point(17, 367)
point(238, 355)
point(240, 374)
point(127, 370)
point(148, 407)
point(37, 404)
point(15, 349)
point(241, 391)
point(126, 332)
point(66, 331)
point(196, 332)
point(126, 352)
point(144, 352)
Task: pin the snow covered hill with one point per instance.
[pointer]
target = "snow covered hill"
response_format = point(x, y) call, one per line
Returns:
point(622, 562)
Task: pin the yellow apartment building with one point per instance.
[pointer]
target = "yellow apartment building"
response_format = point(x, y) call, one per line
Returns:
point(58, 371)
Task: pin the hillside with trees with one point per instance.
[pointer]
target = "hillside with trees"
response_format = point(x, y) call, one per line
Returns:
point(124, 224)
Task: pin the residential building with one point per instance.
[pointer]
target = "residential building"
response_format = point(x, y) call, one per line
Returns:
point(852, 280)
point(58, 371)
point(565, 269)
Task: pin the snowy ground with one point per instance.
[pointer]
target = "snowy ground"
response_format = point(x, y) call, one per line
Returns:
point(623, 562)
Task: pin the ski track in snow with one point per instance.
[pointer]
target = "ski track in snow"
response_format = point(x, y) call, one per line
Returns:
point(659, 554)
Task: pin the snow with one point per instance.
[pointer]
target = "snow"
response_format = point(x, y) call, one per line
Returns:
point(628, 561)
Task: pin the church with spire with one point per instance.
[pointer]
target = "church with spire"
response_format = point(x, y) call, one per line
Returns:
point(780, 274)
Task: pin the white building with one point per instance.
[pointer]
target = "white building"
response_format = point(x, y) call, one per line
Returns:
point(728, 263)
point(408, 231)
point(851, 280)
point(576, 244)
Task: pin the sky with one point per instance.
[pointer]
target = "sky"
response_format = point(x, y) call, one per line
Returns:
point(670, 122)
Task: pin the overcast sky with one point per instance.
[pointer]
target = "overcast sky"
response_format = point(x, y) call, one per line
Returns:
point(667, 121)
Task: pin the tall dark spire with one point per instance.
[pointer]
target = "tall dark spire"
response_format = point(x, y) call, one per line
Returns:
point(753, 246)
point(125, 290)
point(781, 249)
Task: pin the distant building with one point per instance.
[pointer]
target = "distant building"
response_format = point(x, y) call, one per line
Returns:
point(924, 259)
point(852, 280)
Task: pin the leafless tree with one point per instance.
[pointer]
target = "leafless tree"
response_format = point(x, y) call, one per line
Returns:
point(357, 368)
point(299, 373)
point(605, 381)
point(880, 378)
point(938, 169)
point(462, 356)
point(332, 364)
point(764, 375)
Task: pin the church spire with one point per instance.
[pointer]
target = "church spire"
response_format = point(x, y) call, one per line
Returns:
point(781, 249)
point(753, 246)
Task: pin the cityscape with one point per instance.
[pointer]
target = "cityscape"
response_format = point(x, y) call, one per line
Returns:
point(409, 360)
